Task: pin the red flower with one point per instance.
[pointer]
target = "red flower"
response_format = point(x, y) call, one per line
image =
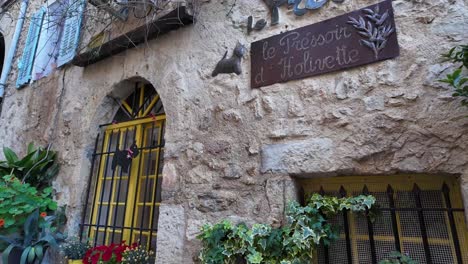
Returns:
point(2, 222)
point(113, 252)
point(107, 255)
point(43, 214)
point(95, 258)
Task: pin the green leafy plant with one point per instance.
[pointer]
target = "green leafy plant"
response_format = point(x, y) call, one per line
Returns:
point(74, 249)
point(457, 80)
point(39, 233)
point(137, 255)
point(306, 228)
point(398, 258)
point(18, 200)
point(37, 168)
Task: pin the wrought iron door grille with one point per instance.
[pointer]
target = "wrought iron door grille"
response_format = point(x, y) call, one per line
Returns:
point(124, 205)
point(420, 215)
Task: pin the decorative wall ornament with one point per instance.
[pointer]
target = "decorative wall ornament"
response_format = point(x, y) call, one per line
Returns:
point(259, 25)
point(232, 64)
point(123, 158)
point(309, 5)
point(273, 5)
point(324, 47)
point(376, 30)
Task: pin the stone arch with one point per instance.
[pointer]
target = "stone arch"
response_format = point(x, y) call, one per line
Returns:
point(140, 128)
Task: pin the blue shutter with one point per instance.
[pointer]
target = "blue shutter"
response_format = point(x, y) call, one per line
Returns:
point(71, 32)
point(48, 45)
point(25, 65)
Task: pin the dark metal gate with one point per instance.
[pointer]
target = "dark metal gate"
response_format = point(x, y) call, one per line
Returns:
point(418, 219)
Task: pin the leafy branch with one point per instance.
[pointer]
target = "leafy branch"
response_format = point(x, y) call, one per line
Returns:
point(376, 30)
point(457, 80)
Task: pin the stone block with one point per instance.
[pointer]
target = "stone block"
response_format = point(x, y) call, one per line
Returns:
point(199, 175)
point(307, 156)
point(374, 103)
point(171, 234)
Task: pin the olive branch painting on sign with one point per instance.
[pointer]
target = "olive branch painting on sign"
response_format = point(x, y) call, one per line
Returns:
point(376, 31)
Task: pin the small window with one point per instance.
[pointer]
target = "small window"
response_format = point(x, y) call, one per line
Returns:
point(52, 39)
point(420, 215)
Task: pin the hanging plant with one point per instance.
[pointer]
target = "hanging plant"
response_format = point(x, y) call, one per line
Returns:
point(306, 228)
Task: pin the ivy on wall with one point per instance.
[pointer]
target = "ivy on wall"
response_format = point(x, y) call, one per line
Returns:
point(307, 227)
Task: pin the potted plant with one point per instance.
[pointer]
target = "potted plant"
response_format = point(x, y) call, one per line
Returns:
point(137, 255)
point(111, 254)
point(74, 250)
point(30, 245)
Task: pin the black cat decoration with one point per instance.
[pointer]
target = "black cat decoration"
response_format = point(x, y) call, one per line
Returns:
point(232, 64)
point(123, 158)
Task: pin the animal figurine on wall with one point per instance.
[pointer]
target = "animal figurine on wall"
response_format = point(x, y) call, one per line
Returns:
point(123, 158)
point(259, 25)
point(232, 64)
point(273, 5)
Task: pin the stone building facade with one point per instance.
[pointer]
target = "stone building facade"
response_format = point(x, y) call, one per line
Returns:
point(233, 152)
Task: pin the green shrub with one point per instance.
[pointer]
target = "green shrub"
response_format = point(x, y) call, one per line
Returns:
point(39, 232)
point(38, 167)
point(18, 200)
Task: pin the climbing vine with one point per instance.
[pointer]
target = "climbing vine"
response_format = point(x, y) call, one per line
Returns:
point(294, 243)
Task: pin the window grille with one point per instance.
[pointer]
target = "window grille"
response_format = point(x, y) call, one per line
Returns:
point(125, 205)
point(419, 215)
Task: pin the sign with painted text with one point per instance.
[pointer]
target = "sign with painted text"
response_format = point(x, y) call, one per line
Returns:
point(353, 39)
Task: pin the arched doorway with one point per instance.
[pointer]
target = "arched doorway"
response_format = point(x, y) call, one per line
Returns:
point(124, 192)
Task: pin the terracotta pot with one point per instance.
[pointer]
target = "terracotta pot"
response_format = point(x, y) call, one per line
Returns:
point(75, 261)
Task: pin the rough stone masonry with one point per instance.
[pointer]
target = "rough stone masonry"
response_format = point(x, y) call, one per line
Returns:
point(232, 152)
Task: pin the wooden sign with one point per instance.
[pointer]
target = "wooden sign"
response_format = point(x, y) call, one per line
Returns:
point(357, 38)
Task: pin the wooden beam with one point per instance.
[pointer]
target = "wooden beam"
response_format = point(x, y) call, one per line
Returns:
point(175, 19)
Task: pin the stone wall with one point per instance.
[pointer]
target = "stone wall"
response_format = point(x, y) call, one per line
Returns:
point(231, 150)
